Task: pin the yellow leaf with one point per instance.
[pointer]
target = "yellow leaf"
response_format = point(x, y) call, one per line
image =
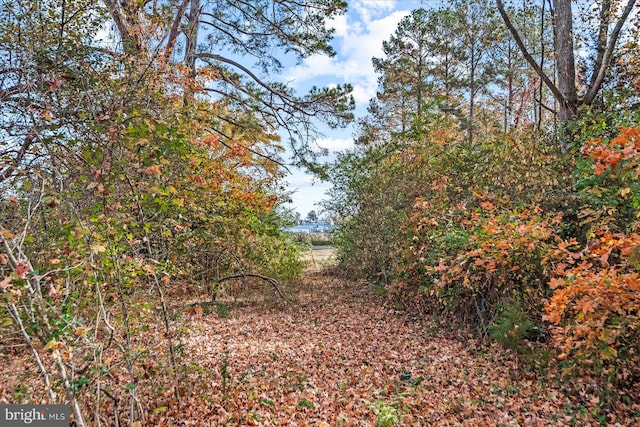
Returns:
point(98, 248)
point(53, 345)
point(625, 191)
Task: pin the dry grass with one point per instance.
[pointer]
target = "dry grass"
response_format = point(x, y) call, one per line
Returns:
point(319, 259)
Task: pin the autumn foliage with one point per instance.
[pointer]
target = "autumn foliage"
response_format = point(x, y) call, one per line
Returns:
point(523, 235)
point(533, 250)
point(617, 156)
point(142, 188)
point(126, 194)
point(594, 311)
point(503, 262)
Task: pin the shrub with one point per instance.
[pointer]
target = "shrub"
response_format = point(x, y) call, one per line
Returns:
point(594, 312)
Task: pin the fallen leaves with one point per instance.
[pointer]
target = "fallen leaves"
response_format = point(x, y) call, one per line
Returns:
point(341, 357)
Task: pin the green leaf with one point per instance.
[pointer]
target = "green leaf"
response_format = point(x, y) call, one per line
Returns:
point(51, 344)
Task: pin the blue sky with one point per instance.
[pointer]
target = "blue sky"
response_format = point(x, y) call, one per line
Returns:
point(358, 37)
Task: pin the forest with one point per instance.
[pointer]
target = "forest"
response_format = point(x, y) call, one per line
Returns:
point(487, 250)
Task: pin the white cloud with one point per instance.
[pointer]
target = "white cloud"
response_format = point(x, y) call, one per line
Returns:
point(370, 8)
point(312, 68)
point(340, 24)
point(300, 179)
point(335, 144)
point(305, 199)
point(359, 37)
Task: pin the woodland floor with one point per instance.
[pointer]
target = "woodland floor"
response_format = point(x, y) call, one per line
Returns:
point(343, 356)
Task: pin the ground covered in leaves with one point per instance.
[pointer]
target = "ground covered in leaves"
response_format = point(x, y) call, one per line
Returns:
point(343, 357)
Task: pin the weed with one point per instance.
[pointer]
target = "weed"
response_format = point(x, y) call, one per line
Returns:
point(224, 372)
point(222, 310)
point(304, 403)
point(297, 380)
point(386, 415)
point(380, 290)
point(20, 392)
point(268, 402)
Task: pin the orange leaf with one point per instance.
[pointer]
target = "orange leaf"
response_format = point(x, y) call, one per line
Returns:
point(153, 170)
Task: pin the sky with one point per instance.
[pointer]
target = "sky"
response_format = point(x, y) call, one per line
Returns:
point(358, 37)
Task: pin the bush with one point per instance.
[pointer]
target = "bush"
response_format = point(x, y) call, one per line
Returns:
point(594, 312)
point(514, 328)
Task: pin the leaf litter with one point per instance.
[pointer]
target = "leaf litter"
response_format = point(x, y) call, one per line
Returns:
point(341, 356)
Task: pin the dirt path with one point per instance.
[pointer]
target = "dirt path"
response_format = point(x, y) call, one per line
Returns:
point(341, 357)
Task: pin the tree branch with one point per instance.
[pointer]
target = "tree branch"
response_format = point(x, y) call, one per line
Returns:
point(204, 55)
point(271, 280)
point(601, 72)
point(10, 169)
point(175, 29)
point(13, 90)
point(516, 36)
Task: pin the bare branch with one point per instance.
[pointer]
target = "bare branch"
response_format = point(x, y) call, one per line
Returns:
point(14, 90)
point(601, 72)
point(516, 36)
point(271, 280)
point(215, 57)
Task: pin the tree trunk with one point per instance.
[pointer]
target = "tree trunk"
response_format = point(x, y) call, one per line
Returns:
point(565, 63)
point(542, 53)
point(127, 16)
point(191, 34)
point(472, 95)
point(190, 52)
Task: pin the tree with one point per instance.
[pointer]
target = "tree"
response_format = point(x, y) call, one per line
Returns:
point(46, 62)
point(476, 31)
point(403, 75)
point(525, 97)
point(235, 58)
point(436, 60)
point(421, 71)
point(564, 87)
point(312, 216)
